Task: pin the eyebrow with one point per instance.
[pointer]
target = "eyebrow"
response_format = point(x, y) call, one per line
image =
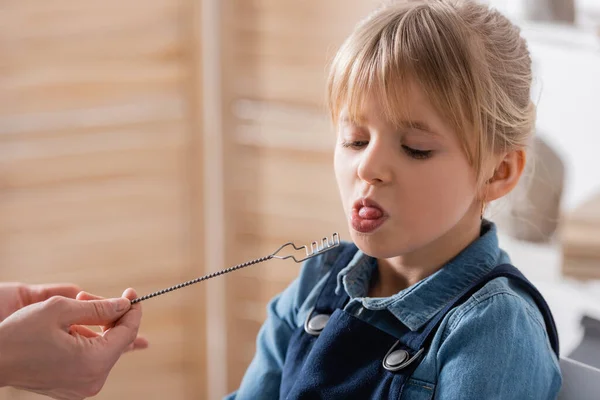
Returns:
point(347, 120)
point(419, 125)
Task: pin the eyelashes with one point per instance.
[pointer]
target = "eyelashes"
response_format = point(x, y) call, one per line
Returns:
point(413, 153)
point(356, 145)
point(417, 154)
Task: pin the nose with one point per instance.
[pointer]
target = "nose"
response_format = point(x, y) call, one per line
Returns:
point(375, 164)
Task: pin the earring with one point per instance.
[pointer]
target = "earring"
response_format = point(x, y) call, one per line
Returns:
point(483, 201)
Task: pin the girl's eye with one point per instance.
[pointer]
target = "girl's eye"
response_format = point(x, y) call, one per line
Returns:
point(358, 144)
point(417, 154)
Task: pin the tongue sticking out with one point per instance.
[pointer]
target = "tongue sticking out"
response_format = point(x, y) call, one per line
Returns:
point(370, 213)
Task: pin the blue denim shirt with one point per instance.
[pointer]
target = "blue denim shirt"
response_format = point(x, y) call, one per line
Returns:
point(493, 346)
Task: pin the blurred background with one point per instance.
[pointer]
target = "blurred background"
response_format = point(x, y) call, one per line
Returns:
point(145, 143)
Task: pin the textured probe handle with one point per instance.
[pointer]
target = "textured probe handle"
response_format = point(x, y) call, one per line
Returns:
point(202, 278)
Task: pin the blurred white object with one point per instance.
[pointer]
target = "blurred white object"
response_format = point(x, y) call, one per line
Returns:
point(586, 13)
point(567, 93)
point(566, 89)
point(532, 211)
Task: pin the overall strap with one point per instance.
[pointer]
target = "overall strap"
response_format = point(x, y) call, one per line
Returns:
point(328, 301)
point(416, 340)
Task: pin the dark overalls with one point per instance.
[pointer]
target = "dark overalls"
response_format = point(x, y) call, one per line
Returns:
point(338, 356)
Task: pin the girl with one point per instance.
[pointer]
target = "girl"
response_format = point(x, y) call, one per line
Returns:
point(431, 103)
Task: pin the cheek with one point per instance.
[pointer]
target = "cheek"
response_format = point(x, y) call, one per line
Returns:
point(342, 165)
point(446, 186)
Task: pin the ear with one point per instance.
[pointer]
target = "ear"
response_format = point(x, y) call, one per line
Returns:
point(506, 175)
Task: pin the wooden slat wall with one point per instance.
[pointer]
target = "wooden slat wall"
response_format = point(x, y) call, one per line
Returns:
point(99, 169)
point(281, 180)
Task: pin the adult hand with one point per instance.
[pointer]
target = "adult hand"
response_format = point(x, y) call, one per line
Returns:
point(139, 342)
point(14, 296)
point(45, 348)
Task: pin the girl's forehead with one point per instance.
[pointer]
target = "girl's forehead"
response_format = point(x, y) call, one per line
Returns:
point(397, 100)
point(413, 110)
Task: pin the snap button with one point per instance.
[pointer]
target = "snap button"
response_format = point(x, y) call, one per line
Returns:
point(395, 359)
point(314, 324)
point(318, 322)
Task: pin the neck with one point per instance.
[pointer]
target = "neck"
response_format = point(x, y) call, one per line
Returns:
point(398, 273)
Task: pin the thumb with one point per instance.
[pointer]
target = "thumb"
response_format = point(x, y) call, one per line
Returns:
point(93, 312)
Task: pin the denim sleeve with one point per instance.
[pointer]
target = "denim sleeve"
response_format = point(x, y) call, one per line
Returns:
point(497, 348)
point(263, 377)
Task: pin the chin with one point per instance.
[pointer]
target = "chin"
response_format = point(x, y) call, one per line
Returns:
point(377, 244)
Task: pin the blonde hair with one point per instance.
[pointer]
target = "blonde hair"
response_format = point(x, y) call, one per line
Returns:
point(469, 60)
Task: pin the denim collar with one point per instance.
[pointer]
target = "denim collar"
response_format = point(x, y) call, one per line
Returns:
point(417, 304)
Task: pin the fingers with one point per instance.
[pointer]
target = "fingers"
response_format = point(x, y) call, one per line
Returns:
point(83, 331)
point(130, 294)
point(30, 294)
point(93, 312)
point(44, 292)
point(139, 343)
point(88, 296)
point(125, 330)
point(85, 296)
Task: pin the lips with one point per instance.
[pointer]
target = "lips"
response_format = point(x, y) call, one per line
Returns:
point(367, 215)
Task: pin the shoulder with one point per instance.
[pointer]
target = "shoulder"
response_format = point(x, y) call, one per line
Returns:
point(499, 298)
point(504, 307)
point(496, 342)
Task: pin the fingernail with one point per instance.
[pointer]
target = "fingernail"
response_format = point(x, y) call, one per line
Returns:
point(128, 292)
point(120, 304)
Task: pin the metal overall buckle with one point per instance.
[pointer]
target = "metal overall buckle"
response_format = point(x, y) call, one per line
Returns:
point(315, 325)
point(395, 360)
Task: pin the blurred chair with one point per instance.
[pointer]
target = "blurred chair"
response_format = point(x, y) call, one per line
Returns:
point(588, 350)
point(580, 381)
point(581, 376)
